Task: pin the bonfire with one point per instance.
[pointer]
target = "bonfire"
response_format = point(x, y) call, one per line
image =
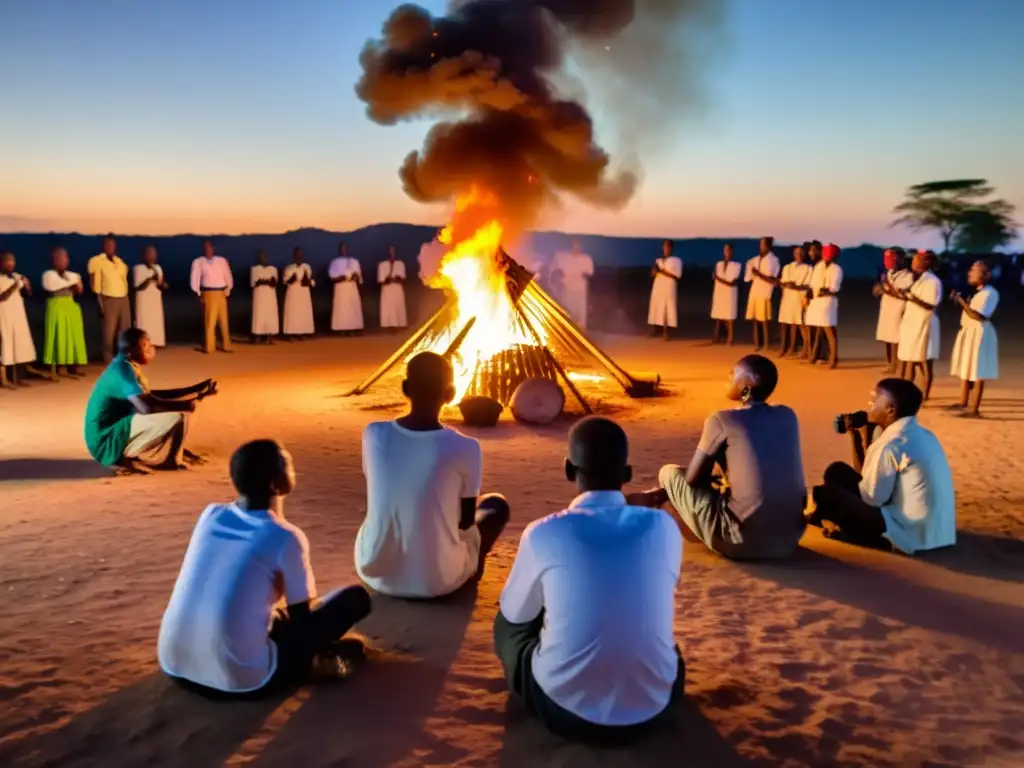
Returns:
point(498, 327)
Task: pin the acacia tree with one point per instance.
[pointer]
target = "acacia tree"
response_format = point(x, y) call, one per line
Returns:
point(957, 209)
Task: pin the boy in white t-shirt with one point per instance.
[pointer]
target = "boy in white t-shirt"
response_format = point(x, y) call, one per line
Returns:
point(221, 633)
point(427, 530)
point(586, 620)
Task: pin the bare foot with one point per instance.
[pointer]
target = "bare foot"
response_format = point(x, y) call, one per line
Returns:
point(128, 467)
point(193, 458)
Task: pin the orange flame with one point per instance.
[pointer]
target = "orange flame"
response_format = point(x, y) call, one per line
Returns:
point(471, 271)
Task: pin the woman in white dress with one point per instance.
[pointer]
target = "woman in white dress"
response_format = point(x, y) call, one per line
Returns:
point(795, 278)
point(266, 323)
point(918, 347)
point(148, 280)
point(391, 277)
point(823, 308)
point(725, 297)
point(16, 345)
point(347, 276)
point(663, 309)
point(976, 351)
point(892, 304)
point(298, 297)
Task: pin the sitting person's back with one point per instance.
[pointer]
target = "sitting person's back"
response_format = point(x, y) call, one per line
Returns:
point(410, 543)
point(760, 512)
point(586, 620)
point(221, 631)
point(427, 530)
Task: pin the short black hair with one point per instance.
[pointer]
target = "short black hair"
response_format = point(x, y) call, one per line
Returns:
point(428, 375)
point(815, 242)
point(906, 396)
point(671, 243)
point(766, 373)
point(129, 339)
point(255, 466)
point(769, 239)
point(598, 447)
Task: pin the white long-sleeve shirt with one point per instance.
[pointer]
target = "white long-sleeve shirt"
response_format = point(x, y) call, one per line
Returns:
point(212, 274)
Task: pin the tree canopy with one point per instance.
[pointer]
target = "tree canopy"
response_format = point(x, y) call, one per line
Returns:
point(959, 211)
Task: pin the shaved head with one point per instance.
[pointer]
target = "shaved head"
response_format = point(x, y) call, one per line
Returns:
point(761, 373)
point(428, 379)
point(598, 455)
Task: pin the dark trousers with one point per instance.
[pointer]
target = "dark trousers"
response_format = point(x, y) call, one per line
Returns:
point(492, 515)
point(300, 640)
point(115, 318)
point(515, 645)
point(838, 500)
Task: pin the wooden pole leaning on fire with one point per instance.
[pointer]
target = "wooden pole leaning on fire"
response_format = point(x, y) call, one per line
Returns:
point(433, 325)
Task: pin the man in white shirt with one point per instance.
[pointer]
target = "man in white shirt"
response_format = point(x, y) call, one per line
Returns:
point(585, 624)
point(900, 489)
point(667, 271)
point(427, 530)
point(212, 283)
point(223, 632)
point(762, 272)
point(823, 307)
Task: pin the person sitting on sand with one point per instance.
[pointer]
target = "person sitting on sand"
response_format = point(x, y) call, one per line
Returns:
point(900, 487)
point(755, 509)
point(426, 532)
point(585, 624)
point(244, 559)
point(133, 428)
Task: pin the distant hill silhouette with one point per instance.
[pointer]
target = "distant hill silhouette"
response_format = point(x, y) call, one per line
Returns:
point(369, 245)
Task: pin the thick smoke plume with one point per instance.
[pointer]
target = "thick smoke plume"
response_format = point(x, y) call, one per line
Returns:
point(489, 69)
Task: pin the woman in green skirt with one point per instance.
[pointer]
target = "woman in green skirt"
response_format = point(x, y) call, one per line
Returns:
point(64, 348)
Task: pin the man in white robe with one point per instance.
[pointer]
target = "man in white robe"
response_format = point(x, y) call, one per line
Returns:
point(266, 322)
point(574, 270)
point(391, 277)
point(16, 346)
point(148, 280)
point(663, 309)
point(762, 273)
point(892, 304)
point(920, 331)
point(346, 275)
point(725, 297)
point(298, 298)
point(823, 308)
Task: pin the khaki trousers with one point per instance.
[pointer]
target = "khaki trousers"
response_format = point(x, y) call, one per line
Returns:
point(157, 439)
point(215, 315)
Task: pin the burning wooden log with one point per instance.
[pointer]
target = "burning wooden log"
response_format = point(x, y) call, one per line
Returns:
point(500, 376)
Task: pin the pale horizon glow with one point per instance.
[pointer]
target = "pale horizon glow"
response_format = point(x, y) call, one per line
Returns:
point(240, 117)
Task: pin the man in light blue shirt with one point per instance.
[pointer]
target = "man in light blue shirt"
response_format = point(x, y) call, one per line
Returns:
point(900, 489)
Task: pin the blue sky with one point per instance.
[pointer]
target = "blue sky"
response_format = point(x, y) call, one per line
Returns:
point(240, 115)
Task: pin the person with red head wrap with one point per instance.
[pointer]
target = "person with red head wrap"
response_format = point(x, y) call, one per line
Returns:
point(823, 308)
point(890, 309)
point(919, 329)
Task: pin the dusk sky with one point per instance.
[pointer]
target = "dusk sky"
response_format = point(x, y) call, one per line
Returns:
point(228, 116)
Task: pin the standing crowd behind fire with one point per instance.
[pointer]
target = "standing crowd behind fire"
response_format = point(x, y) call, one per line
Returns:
point(810, 285)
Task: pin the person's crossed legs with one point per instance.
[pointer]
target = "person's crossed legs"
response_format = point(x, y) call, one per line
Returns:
point(838, 501)
point(702, 510)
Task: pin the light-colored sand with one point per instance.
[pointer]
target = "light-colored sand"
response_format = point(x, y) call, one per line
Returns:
point(842, 657)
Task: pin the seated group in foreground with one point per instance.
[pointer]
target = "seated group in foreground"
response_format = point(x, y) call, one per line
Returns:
point(585, 626)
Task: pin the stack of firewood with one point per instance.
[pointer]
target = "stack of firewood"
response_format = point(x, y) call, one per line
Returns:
point(499, 377)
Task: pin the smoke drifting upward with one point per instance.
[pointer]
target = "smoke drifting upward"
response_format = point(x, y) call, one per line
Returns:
point(491, 67)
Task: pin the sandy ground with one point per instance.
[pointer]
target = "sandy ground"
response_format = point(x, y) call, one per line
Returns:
point(841, 657)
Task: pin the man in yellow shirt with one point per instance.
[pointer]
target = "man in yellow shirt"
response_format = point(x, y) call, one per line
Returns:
point(108, 276)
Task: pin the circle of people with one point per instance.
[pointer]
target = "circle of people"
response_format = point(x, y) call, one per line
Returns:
point(246, 619)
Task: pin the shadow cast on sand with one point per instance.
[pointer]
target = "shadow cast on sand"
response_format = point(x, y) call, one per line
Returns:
point(376, 717)
point(152, 722)
point(51, 469)
point(686, 737)
point(981, 554)
point(884, 594)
